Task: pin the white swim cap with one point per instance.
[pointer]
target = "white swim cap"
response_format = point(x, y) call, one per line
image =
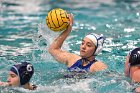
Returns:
point(98, 41)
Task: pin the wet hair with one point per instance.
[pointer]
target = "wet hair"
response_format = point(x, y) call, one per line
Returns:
point(134, 57)
point(24, 70)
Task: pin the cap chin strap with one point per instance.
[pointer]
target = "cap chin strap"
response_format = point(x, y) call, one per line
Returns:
point(94, 51)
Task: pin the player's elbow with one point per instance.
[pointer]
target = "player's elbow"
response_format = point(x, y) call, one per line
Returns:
point(53, 50)
point(50, 50)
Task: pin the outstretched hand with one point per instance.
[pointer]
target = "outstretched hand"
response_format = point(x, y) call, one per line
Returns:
point(137, 90)
point(70, 19)
point(4, 84)
point(70, 22)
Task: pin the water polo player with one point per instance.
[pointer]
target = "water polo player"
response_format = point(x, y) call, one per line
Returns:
point(20, 75)
point(132, 65)
point(90, 47)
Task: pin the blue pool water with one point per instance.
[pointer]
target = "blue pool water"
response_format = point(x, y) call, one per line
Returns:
point(23, 21)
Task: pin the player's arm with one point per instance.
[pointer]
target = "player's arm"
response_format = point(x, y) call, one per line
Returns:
point(55, 48)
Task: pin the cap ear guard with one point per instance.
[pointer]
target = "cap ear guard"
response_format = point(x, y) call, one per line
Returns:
point(100, 41)
point(26, 75)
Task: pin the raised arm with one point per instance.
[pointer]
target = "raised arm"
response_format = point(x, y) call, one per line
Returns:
point(55, 48)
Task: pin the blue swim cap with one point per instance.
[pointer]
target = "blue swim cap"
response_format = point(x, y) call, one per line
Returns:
point(24, 70)
point(134, 57)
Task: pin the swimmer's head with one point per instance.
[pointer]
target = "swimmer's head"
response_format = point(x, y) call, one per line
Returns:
point(98, 41)
point(135, 57)
point(24, 70)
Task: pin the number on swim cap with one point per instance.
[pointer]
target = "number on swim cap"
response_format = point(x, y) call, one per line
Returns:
point(29, 67)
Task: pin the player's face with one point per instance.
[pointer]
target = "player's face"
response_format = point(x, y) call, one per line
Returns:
point(13, 79)
point(87, 47)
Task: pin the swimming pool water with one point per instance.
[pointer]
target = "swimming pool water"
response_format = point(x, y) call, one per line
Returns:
point(25, 37)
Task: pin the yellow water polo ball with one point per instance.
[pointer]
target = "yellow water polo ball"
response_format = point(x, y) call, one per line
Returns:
point(57, 20)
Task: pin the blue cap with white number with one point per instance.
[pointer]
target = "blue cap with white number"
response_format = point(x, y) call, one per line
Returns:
point(24, 70)
point(135, 57)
